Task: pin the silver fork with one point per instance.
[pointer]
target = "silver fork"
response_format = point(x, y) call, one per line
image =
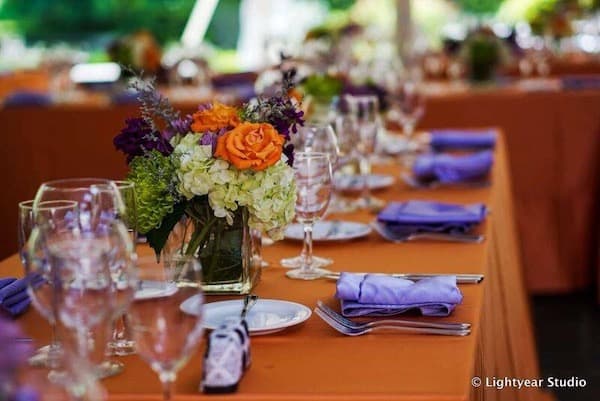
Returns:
point(408, 330)
point(387, 322)
point(398, 238)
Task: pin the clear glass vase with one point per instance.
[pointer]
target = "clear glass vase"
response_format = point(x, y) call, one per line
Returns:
point(227, 254)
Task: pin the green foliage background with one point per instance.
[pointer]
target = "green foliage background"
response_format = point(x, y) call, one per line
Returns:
point(86, 20)
point(81, 20)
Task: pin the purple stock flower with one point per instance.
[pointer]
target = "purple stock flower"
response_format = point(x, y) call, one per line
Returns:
point(180, 126)
point(288, 150)
point(137, 138)
point(204, 106)
point(210, 138)
point(14, 354)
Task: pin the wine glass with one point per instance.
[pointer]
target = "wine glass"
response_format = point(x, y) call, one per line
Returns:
point(409, 106)
point(121, 343)
point(99, 205)
point(365, 109)
point(99, 200)
point(80, 266)
point(314, 137)
point(165, 336)
point(314, 185)
point(39, 284)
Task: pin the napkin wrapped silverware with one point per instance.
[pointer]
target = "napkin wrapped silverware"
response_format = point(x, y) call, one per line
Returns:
point(14, 299)
point(383, 295)
point(428, 216)
point(449, 139)
point(448, 169)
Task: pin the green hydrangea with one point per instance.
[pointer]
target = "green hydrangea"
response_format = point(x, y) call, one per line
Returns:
point(154, 177)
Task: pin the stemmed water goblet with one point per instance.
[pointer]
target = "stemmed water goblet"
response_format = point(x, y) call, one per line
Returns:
point(314, 184)
point(61, 213)
point(166, 336)
point(121, 343)
point(99, 204)
point(314, 137)
point(365, 111)
point(409, 105)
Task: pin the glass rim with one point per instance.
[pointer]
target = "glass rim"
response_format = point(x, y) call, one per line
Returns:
point(358, 98)
point(121, 184)
point(98, 181)
point(46, 205)
point(314, 155)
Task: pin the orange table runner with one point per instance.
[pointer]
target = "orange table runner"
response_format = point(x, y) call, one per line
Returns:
point(312, 361)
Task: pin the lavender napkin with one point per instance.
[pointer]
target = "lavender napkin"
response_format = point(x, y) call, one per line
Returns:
point(17, 99)
point(458, 139)
point(452, 169)
point(382, 295)
point(14, 299)
point(418, 216)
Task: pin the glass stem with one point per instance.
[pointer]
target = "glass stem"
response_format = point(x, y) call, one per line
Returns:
point(365, 169)
point(167, 379)
point(409, 129)
point(307, 249)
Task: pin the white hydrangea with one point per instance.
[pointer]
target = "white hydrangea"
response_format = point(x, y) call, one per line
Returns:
point(269, 195)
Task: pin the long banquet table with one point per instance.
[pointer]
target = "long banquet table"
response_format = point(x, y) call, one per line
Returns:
point(313, 362)
point(553, 138)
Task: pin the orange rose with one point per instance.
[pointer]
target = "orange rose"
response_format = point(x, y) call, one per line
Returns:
point(253, 146)
point(215, 118)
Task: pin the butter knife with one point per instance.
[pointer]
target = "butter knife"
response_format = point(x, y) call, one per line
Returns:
point(460, 278)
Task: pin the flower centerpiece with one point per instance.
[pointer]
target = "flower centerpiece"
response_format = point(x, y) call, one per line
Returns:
point(204, 181)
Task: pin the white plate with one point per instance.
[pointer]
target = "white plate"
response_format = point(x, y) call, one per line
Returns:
point(266, 316)
point(354, 182)
point(330, 231)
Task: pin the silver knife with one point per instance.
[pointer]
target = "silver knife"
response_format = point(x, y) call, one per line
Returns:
point(460, 278)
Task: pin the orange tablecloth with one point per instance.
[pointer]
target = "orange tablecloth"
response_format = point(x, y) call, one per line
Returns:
point(312, 361)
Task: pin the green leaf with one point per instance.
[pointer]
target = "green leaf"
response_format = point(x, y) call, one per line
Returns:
point(157, 237)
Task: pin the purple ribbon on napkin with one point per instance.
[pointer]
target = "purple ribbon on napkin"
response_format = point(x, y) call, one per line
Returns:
point(14, 299)
point(383, 295)
point(459, 139)
point(428, 216)
point(452, 169)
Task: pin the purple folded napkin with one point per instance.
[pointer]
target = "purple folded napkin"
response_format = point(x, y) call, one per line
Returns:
point(451, 169)
point(581, 82)
point(24, 98)
point(14, 299)
point(458, 139)
point(428, 216)
point(383, 295)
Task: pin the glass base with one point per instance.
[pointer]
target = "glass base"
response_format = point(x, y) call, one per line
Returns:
point(339, 204)
point(297, 262)
point(48, 357)
point(371, 204)
point(307, 274)
point(108, 369)
point(121, 348)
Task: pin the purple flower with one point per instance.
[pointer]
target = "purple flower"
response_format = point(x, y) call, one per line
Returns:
point(288, 150)
point(180, 126)
point(204, 106)
point(14, 353)
point(210, 138)
point(137, 138)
